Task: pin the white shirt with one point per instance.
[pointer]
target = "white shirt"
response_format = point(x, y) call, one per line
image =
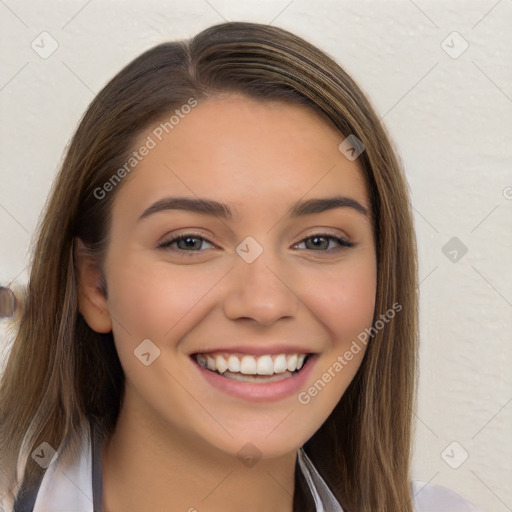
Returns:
point(67, 486)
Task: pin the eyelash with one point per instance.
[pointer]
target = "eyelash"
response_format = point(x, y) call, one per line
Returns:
point(166, 244)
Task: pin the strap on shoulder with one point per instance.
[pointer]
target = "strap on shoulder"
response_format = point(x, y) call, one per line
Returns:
point(97, 476)
point(26, 497)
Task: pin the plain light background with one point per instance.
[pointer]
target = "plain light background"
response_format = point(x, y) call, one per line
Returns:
point(439, 73)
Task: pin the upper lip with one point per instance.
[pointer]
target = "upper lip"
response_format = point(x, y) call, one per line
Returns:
point(258, 350)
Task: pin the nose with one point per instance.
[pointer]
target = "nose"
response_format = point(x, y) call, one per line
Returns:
point(260, 291)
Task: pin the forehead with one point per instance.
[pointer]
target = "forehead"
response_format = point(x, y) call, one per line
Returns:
point(241, 150)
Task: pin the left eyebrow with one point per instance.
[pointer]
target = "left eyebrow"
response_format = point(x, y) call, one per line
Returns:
point(328, 203)
point(222, 210)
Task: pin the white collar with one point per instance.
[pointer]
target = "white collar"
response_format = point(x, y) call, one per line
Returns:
point(67, 484)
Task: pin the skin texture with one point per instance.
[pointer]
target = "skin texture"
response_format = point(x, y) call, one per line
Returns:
point(177, 437)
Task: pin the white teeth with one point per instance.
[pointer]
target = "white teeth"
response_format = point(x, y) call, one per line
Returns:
point(210, 363)
point(234, 364)
point(280, 364)
point(248, 365)
point(292, 363)
point(221, 364)
point(251, 365)
point(265, 365)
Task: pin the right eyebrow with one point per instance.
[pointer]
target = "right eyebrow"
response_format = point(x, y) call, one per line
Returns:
point(202, 206)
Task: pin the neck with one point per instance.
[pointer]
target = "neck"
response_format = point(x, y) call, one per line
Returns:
point(147, 465)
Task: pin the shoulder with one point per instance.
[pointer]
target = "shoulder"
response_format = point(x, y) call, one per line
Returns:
point(435, 498)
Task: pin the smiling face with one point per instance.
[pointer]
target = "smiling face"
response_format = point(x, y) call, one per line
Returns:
point(266, 280)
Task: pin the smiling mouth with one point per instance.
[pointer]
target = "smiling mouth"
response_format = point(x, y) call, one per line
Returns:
point(248, 368)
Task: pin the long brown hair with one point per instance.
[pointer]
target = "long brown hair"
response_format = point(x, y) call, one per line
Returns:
point(60, 372)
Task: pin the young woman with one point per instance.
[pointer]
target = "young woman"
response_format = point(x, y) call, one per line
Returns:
point(222, 307)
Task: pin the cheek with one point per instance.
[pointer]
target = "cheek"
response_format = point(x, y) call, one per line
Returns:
point(345, 305)
point(157, 301)
point(345, 302)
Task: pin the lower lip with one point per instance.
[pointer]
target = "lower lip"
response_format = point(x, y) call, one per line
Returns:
point(260, 392)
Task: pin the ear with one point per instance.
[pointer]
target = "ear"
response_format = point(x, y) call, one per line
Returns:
point(92, 299)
